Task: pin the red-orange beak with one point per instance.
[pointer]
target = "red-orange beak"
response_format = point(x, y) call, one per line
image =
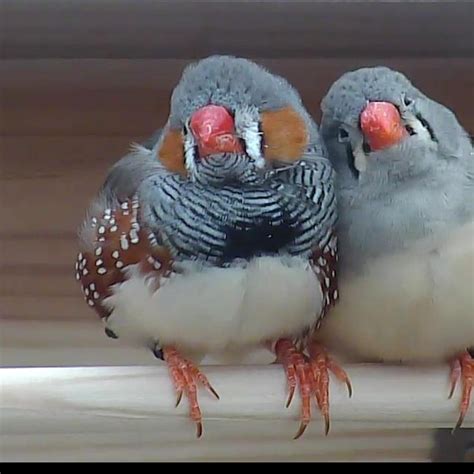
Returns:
point(214, 130)
point(382, 125)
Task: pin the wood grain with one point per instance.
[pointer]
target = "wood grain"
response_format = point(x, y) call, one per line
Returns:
point(126, 413)
point(177, 28)
point(82, 342)
point(143, 443)
point(130, 97)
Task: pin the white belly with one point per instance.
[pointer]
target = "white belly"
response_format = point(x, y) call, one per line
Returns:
point(416, 306)
point(213, 309)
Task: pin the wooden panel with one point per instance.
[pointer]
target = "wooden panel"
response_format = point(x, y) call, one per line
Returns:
point(144, 444)
point(34, 251)
point(130, 97)
point(51, 157)
point(45, 306)
point(46, 204)
point(45, 188)
point(82, 342)
point(127, 413)
point(177, 28)
point(58, 174)
point(248, 441)
point(66, 344)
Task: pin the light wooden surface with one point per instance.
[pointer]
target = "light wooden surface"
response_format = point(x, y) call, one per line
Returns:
point(127, 413)
point(64, 122)
point(82, 342)
point(42, 343)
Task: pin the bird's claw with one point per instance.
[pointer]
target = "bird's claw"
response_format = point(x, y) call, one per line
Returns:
point(312, 376)
point(185, 376)
point(462, 367)
point(298, 373)
point(322, 365)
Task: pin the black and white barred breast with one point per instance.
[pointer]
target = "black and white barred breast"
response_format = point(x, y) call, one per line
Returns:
point(288, 211)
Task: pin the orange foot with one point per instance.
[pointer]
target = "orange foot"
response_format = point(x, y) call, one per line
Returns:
point(322, 365)
point(185, 376)
point(312, 376)
point(463, 367)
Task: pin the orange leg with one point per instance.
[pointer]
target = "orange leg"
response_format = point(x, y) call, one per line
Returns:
point(185, 376)
point(463, 367)
point(298, 372)
point(322, 364)
point(311, 375)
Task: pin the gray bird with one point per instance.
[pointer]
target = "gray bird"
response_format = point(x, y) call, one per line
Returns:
point(221, 235)
point(405, 187)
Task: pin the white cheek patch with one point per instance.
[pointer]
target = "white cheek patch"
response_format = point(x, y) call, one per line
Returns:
point(189, 153)
point(410, 119)
point(360, 159)
point(246, 125)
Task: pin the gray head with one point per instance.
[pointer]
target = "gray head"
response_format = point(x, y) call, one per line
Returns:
point(230, 117)
point(380, 130)
point(404, 164)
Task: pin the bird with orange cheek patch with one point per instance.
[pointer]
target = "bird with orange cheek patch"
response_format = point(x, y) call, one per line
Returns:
point(222, 238)
point(405, 185)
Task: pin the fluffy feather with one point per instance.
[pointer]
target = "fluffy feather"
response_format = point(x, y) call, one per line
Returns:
point(412, 306)
point(213, 309)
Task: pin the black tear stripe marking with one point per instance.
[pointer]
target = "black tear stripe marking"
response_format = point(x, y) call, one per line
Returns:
point(351, 161)
point(428, 127)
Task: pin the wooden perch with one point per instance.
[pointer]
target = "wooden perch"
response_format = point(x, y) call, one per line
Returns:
point(127, 413)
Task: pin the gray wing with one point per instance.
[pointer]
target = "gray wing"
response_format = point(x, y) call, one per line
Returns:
point(315, 176)
point(120, 184)
point(127, 174)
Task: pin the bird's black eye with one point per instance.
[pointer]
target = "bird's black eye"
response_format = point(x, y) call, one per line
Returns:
point(342, 135)
point(407, 101)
